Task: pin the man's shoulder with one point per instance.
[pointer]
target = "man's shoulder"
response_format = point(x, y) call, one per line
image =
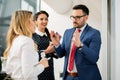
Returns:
point(92, 28)
point(70, 29)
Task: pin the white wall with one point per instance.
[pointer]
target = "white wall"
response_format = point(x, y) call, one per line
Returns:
point(116, 57)
point(104, 52)
point(111, 39)
point(57, 22)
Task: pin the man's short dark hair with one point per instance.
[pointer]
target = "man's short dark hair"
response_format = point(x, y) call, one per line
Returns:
point(82, 7)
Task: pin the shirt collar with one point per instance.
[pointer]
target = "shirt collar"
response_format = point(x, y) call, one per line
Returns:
point(83, 28)
point(40, 33)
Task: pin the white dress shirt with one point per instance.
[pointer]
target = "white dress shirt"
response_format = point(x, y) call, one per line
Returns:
point(74, 68)
point(22, 59)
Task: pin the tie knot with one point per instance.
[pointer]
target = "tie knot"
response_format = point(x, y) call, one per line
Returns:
point(78, 30)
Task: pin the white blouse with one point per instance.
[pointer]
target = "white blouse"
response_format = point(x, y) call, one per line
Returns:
point(22, 59)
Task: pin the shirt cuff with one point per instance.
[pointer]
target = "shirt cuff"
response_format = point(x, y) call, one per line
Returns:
point(80, 47)
point(43, 54)
point(41, 68)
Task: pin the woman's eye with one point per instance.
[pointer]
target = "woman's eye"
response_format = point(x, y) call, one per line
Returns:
point(41, 19)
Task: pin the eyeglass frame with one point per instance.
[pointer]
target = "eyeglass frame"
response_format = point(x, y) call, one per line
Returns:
point(76, 17)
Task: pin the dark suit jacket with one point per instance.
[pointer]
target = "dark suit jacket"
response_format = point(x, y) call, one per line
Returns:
point(86, 57)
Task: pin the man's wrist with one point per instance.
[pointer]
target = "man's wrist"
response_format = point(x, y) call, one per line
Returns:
point(80, 46)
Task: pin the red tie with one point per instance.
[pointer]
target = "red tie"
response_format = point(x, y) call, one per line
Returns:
point(72, 54)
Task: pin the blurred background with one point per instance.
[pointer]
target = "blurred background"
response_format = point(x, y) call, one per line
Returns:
point(104, 16)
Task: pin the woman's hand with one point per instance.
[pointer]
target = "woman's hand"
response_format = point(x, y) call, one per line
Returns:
point(44, 62)
point(50, 48)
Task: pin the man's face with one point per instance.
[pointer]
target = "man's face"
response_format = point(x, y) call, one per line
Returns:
point(79, 18)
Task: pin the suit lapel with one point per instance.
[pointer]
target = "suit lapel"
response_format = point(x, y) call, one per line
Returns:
point(84, 32)
point(81, 37)
point(70, 33)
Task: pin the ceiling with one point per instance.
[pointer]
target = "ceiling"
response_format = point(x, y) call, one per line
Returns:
point(65, 6)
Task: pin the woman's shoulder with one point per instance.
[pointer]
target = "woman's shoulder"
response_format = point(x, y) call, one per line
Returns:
point(23, 39)
point(36, 36)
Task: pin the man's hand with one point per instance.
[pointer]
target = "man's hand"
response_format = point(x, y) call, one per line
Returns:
point(76, 39)
point(55, 37)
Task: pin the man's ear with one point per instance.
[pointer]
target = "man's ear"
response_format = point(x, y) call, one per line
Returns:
point(86, 17)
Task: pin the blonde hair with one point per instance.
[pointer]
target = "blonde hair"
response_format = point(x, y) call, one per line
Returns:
point(19, 25)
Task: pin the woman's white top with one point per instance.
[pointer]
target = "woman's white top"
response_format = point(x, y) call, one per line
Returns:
point(22, 59)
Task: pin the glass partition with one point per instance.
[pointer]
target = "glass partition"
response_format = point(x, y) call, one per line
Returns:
point(7, 7)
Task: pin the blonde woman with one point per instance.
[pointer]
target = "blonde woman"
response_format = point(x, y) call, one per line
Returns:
point(22, 57)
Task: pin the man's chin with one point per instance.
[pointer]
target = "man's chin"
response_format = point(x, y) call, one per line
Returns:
point(76, 26)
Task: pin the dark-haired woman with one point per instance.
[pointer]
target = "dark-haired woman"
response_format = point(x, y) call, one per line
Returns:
point(42, 38)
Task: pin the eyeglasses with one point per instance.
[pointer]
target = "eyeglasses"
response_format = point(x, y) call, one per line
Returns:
point(76, 17)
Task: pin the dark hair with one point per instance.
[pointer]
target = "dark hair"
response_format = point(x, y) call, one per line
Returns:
point(40, 12)
point(82, 7)
point(47, 32)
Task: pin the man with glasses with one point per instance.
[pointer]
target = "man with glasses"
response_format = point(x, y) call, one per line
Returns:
point(80, 47)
